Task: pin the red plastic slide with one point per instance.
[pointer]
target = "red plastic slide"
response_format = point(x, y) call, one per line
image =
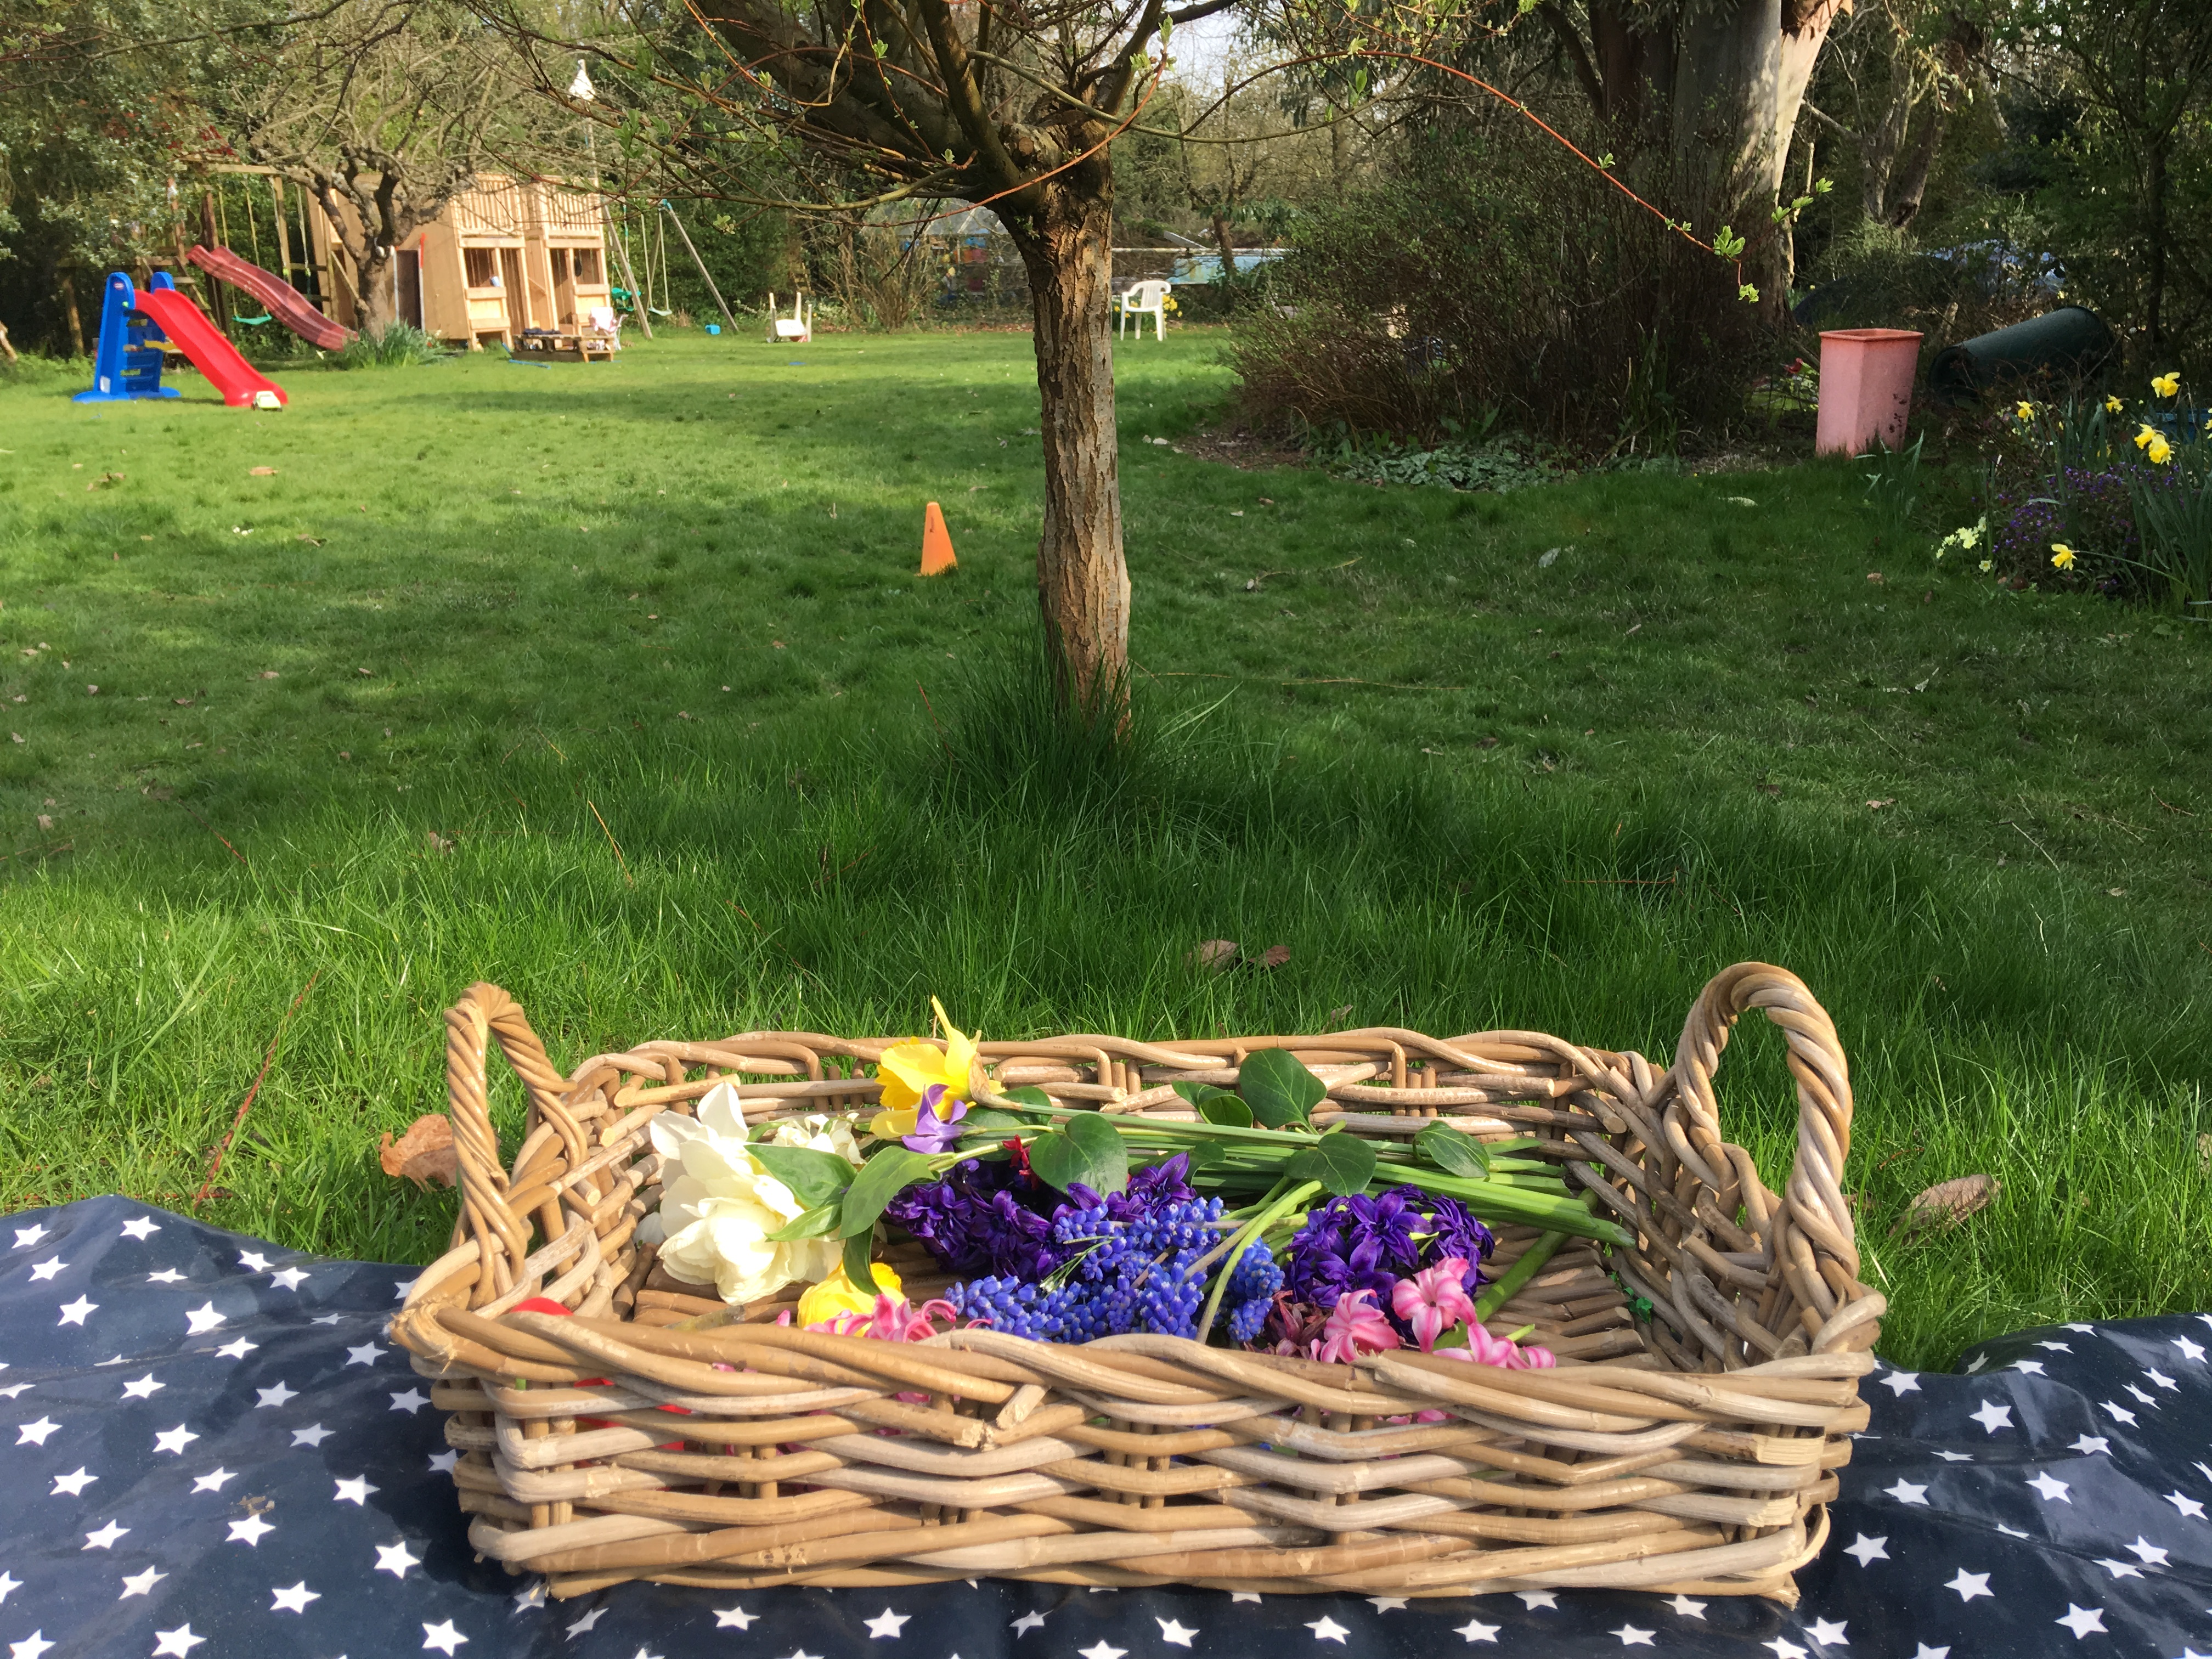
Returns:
point(284, 301)
point(191, 333)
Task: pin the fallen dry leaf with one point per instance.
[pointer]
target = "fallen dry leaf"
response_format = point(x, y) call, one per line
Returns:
point(1878, 804)
point(438, 843)
point(423, 1154)
point(366, 673)
point(1947, 1204)
point(182, 703)
point(268, 673)
point(1773, 789)
point(1214, 953)
point(1336, 1014)
point(2204, 1155)
point(46, 821)
point(1875, 576)
point(1486, 743)
point(261, 472)
point(1274, 955)
point(312, 541)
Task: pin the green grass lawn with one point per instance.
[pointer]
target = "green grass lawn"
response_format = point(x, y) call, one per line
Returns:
point(615, 684)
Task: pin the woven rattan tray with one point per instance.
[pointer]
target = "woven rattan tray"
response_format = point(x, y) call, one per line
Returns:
point(1707, 1389)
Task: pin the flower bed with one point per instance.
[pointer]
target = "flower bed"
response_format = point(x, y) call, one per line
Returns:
point(1369, 1310)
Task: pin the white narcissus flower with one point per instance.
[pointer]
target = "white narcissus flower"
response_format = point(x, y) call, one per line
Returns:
point(718, 1204)
point(821, 1133)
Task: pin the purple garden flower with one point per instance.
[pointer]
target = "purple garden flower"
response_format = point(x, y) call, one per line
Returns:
point(1358, 1243)
point(932, 1133)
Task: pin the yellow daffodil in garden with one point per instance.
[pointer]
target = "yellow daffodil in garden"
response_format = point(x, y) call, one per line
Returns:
point(2152, 443)
point(2166, 385)
point(1986, 566)
point(909, 1070)
point(2062, 556)
point(2023, 411)
point(2111, 405)
point(838, 1294)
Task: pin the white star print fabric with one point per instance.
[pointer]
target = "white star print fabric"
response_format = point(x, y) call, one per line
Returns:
point(216, 1453)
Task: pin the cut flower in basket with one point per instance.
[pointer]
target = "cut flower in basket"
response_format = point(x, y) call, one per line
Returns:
point(925, 1089)
point(719, 1205)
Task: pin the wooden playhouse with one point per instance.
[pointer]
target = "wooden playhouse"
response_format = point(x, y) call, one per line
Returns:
point(520, 264)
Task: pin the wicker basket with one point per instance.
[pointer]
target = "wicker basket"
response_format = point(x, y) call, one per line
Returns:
point(1685, 1441)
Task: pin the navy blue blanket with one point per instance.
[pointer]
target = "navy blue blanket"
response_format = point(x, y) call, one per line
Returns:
point(207, 1449)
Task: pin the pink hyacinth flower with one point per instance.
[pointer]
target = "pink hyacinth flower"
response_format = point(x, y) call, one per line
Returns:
point(1354, 1329)
point(1434, 1300)
point(1483, 1349)
point(894, 1320)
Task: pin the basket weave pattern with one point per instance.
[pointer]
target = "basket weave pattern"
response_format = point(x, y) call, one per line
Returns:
point(1688, 1444)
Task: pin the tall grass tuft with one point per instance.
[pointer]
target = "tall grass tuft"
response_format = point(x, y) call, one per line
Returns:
point(396, 346)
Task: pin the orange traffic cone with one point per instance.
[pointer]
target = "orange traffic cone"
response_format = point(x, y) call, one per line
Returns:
point(936, 542)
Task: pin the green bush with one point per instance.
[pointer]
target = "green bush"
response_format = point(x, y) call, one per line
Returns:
point(1503, 281)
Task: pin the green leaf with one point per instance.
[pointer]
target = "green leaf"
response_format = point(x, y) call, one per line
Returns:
point(858, 1260)
point(814, 1177)
point(1029, 1096)
point(979, 1119)
point(821, 1222)
point(1343, 1163)
point(1278, 1088)
point(1452, 1152)
point(1085, 1150)
point(1222, 1107)
point(879, 1182)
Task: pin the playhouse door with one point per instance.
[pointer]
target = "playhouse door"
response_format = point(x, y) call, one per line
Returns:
point(512, 292)
point(407, 275)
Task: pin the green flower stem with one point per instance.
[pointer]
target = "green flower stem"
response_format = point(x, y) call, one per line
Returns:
point(1531, 1262)
point(1252, 1229)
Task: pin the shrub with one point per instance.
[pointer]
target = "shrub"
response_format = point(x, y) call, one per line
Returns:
point(1502, 281)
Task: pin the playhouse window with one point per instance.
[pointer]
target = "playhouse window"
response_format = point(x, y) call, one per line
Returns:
point(587, 267)
point(483, 273)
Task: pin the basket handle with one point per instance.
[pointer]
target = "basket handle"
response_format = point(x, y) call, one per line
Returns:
point(486, 1013)
point(1813, 1241)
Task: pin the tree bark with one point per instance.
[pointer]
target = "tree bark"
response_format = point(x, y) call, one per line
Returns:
point(1227, 243)
point(71, 319)
point(1083, 580)
point(2154, 264)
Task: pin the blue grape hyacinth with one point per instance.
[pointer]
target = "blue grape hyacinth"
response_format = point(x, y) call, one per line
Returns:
point(1124, 1271)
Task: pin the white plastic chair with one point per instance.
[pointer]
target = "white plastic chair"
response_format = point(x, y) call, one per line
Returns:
point(1141, 301)
point(798, 328)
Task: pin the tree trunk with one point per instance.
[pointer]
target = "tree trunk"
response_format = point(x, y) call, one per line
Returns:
point(2155, 265)
point(1910, 186)
point(1227, 243)
point(1082, 581)
point(71, 319)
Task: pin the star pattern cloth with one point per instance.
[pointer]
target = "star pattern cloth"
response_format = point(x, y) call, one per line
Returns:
point(210, 1450)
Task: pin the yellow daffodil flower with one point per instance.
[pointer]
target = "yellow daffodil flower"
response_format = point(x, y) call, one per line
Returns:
point(2111, 405)
point(2023, 411)
point(2165, 385)
point(908, 1071)
point(2153, 444)
point(2062, 556)
point(837, 1294)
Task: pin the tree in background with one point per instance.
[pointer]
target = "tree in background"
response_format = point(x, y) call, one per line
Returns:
point(100, 110)
point(2131, 199)
point(383, 111)
point(910, 101)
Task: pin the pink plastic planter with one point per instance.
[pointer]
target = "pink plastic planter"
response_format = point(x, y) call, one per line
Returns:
point(1866, 387)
